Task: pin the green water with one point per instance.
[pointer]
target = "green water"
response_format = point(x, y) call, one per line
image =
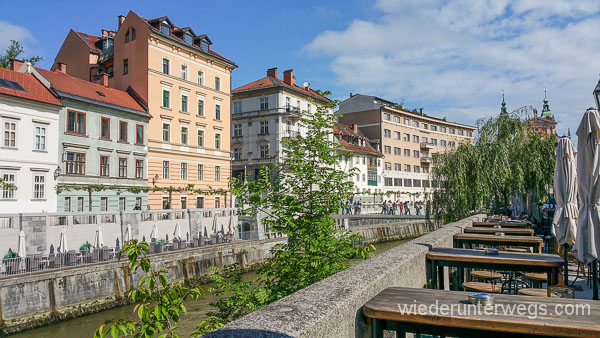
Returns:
point(196, 312)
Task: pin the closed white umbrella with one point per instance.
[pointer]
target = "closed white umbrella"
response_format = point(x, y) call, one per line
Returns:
point(22, 252)
point(62, 243)
point(587, 243)
point(564, 224)
point(127, 237)
point(177, 232)
point(231, 223)
point(98, 241)
point(215, 226)
point(154, 233)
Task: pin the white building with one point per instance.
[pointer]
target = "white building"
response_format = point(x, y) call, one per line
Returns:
point(264, 112)
point(29, 113)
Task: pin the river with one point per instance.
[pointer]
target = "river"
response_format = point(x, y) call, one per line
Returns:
point(196, 312)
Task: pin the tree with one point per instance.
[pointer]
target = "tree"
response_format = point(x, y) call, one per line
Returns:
point(13, 52)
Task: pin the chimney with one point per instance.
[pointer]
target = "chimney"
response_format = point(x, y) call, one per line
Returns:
point(307, 87)
point(121, 19)
point(104, 33)
point(104, 80)
point(15, 64)
point(351, 95)
point(421, 111)
point(355, 127)
point(62, 67)
point(288, 77)
point(272, 72)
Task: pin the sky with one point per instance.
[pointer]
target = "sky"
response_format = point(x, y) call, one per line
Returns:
point(453, 58)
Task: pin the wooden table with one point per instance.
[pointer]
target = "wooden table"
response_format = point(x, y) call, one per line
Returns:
point(467, 240)
point(384, 313)
point(506, 231)
point(438, 258)
point(525, 225)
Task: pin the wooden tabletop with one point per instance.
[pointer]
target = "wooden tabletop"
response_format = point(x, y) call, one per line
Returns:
point(504, 257)
point(500, 239)
point(507, 231)
point(503, 224)
point(387, 306)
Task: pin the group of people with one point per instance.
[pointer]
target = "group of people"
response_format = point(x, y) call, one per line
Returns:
point(350, 208)
point(398, 207)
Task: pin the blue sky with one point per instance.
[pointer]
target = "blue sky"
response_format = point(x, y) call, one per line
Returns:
point(453, 58)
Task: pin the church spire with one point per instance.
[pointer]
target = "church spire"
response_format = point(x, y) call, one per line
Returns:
point(503, 109)
point(546, 112)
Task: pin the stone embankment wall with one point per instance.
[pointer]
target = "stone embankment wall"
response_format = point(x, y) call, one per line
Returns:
point(47, 297)
point(332, 307)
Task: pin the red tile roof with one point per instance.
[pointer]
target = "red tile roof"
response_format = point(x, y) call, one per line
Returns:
point(64, 83)
point(35, 90)
point(89, 39)
point(345, 130)
point(269, 82)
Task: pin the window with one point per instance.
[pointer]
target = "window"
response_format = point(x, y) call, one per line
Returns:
point(386, 116)
point(122, 167)
point(139, 134)
point(184, 103)
point(264, 151)
point(388, 181)
point(388, 166)
point(103, 203)
point(469, 133)
point(452, 131)
point(166, 132)
point(200, 138)
point(397, 182)
point(165, 202)
point(217, 202)
point(364, 177)
point(39, 187)
point(407, 152)
point(434, 128)
point(7, 192)
point(217, 141)
point(416, 124)
point(40, 138)
point(79, 204)
point(434, 141)
point(200, 172)
point(425, 170)
point(424, 125)
point(67, 206)
point(201, 78)
point(126, 66)
point(183, 171)
point(122, 203)
point(424, 139)
point(165, 169)
point(387, 133)
point(288, 103)
point(237, 107)
point(406, 137)
point(264, 103)
point(397, 151)
point(264, 127)
point(388, 149)
point(122, 131)
point(237, 154)
point(183, 200)
point(132, 34)
point(237, 130)
point(461, 132)
point(443, 129)
point(452, 144)
point(396, 119)
point(426, 184)
point(184, 135)
point(217, 111)
point(308, 107)
point(105, 128)
point(104, 165)
point(75, 163)
point(217, 173)
point(127, 36)
point(407, 182)
point(407, 168)
point(75, 122)
point(199, 202)
point(417, 169)
point(415, 153)
point(217, 83)
point(416, 138)
point(406, 121)
point(184, 72)
point(139, 168)
point(397, 167)
point(416, 183)
point(397, 135)
point(166, 66)
point(166, 99)
point(443, 143)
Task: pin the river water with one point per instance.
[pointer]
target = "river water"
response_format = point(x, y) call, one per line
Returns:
point(196, 312)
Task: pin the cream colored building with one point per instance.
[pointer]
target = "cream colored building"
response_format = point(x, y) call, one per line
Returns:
point(407, 140)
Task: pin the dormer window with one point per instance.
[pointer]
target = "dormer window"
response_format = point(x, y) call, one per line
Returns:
point(165, 28)
point(188, 38)
point(204, 46)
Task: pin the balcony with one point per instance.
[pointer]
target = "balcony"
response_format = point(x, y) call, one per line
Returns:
point(427, 160)
point(427, 145)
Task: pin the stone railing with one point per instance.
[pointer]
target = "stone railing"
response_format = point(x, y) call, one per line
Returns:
point(332, 307)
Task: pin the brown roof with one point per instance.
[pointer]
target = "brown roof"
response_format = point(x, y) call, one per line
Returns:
point(270, 82)
point(73, 86)
point(348, 131)
point(90, 40)
point(34, 89)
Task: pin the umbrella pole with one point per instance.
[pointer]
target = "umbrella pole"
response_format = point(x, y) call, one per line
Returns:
point(595, 274)
point(566, 258)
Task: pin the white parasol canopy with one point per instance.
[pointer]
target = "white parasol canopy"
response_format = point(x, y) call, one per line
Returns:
point(231, 223)
point(127, 236)
point(154, 233)
point(564, 224)
point(22, 252)
point(215, 226)
point(98, 241)
point(177, 232)
point(62, 243)
point(587, 243)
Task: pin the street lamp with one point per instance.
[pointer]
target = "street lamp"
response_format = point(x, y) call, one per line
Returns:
point(597, 95)
point(57, 172)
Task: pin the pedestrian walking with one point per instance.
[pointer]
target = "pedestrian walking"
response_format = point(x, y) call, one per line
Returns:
point(359, 207)
point(384, 207)
point(394, 207)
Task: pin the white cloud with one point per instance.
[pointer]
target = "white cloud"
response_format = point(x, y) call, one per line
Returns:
point(13, 32)
point(456, 57)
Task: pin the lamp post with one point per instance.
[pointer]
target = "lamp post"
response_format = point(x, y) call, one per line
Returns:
point(57, 172)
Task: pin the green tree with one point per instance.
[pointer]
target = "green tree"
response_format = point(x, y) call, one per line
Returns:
point(13, 52)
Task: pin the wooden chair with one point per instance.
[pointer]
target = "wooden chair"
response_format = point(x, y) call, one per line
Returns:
point(536, 278)
point(481, 287)
point(537, 292)
point(485, 275)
